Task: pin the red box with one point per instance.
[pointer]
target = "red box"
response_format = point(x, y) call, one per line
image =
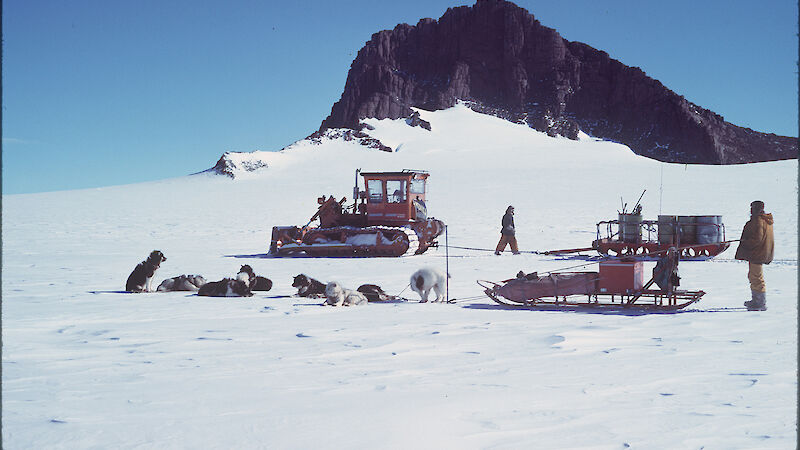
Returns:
point(620, 277)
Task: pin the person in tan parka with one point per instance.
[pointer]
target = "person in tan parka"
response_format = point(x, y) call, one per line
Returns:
point(757, 246)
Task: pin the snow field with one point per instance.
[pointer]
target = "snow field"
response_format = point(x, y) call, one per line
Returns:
point(85, 366)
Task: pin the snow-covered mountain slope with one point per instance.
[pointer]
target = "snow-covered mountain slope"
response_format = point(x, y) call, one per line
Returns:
point(87, 367)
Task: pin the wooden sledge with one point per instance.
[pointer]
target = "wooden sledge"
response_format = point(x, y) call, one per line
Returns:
point(607, 289)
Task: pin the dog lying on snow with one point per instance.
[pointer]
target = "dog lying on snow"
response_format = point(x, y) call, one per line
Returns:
point(426, 279)
point(308, 287)
point(226, 287)
point(256, 283)
point(141, 279)
point(339, 296)
point(245, 282)
point(182, 283)
point(373, 293)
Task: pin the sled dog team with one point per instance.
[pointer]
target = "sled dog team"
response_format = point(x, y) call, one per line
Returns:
point(423, 281)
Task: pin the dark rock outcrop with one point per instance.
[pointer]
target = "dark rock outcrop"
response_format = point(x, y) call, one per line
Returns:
point(500, 59)
point(416, 121)
point(229, 166)
point(348, 135)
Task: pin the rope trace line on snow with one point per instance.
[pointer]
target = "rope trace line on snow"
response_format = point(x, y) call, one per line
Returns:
point(490, 250)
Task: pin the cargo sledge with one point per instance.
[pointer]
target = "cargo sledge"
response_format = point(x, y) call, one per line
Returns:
point(698, 237)
point(695, 237)
point(619, 284)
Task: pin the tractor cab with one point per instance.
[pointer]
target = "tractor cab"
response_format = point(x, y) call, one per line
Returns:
point(394, 198)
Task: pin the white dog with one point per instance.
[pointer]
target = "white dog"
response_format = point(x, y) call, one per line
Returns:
point(426, 279)
point(338, 296)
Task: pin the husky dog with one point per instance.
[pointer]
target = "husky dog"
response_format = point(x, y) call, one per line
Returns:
point(141, 279)
point(427, 278)
point(246, 275)
point(373, 293)
point(255, 282)
point(261, 284)
point(182, 283)
point(226, 287)
point(338, 296)
point(308, 287)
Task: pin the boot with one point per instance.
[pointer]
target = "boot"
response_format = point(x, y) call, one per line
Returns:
point(758, 303)
point(749, 304)
point(761, 298)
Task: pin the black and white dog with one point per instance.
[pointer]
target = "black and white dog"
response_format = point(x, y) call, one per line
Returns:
point(339, 296)
point(426, 279)
point(141, 279)
point(182, 283)
point(308, 287)
point(226, 287)
point(256, 283)
point(373, 293)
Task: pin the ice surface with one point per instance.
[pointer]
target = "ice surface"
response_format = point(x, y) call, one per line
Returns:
point(85, 366)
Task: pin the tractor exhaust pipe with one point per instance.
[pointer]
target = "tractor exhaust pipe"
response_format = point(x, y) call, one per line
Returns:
point(355, 191)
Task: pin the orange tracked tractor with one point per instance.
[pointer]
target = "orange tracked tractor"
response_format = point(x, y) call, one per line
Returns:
point(388, 218)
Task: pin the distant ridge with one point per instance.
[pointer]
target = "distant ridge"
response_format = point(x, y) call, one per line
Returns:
point(501, 60)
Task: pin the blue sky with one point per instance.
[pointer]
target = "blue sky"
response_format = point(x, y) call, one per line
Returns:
point(99, 93)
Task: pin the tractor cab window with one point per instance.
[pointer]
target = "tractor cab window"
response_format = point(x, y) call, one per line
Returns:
point(396, 191)
point(375, 191)
point(417, 186)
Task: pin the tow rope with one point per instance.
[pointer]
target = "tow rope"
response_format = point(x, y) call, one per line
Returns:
point(492, 250)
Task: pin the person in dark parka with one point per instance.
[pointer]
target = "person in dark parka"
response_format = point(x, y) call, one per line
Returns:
point(757, 247)
point(507, 233)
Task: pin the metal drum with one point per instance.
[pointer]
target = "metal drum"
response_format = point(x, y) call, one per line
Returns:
point(687, 229)
point(666, 229)
point(709, 229)
point(630, 229)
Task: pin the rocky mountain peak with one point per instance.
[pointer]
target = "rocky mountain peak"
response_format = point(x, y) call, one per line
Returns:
point(499, 59)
